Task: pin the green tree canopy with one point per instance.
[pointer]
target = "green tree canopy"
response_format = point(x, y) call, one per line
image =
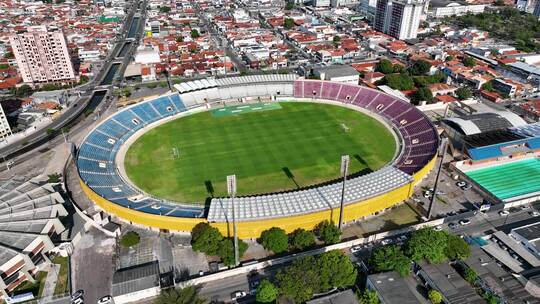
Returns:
point(488, 86)
point(226, 250)
point(435, 297)
point(299, 281)
point(469, 62)
point(301, 239)
point(463, 93)
point(384, 66)
point(290, 5)
point(328, 232)
point(427, 244)
point(469, 275)
point(195, 33)
point(391, 257)
point(368, 297)
point(420, 67)
point(398, 81)
point(266, 292)
point(274, 239)
point(335, 270)
point(288, 23)
point(422, 94)
point(164, 9)
point(457, 248)
point(187, 295)
point(205, 238)
point(130, 239)
point(22, 91)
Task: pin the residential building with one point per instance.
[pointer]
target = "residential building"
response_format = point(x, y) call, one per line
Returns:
point(536, 10)
point(447, 8)
point(321, 3)
point(339, 73)
point(528, 236)
point(42, 56)
point(342, 297)
point(339, 3)
point(391, 288)
point(5, 130)
point(399, 18)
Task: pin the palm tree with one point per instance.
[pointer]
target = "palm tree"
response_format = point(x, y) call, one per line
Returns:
point(187, 295)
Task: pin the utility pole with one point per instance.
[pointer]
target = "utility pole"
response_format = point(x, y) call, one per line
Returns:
point(344, 170)
point(442, 153)
point(231, 189)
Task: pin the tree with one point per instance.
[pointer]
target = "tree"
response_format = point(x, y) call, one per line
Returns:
point(164, 9)
point(499, 3)
point(130, 239)
point(266, 292)
point(328, 232)
point(290, 5)
point(336, 40)
point(422, 94)
point(195, 33)
point(23, 91)
point(469, 62)
point(205, 238)
point(127, 92)
point(420, 67)
point(226, 250)
point(9, 55)
point(449, 58)
point(398, 81)
point(288, 23)
point(488, 86)
point(83, 79)
point(435, 297)
point(428, 244)
point(384, 66)
point(463, 93)
point(389, 258)
point(399, 68)
point(299, 281)
point(187, 295)
point(469, 275)
point(301, 239)
point(457, 248)
point(180, 39)
point(4, 66)
point(274, 239)
point(368, 297)
point(335, 270)
point(53, 178)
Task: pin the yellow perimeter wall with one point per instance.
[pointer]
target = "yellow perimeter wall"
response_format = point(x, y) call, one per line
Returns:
point(253, 229)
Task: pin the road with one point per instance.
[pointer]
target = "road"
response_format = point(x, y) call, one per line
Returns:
point(75, 109)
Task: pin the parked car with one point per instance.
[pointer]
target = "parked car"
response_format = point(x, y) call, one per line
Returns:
point(355, 249)
point(437, 228)
point(77, 294)
point(534, 213)
point(452, 225)
point(461, 184)
point(238, 295)
point(504, 212)
point(105, 300)
point(466, 187)
point(464, 222)
point(78, 300)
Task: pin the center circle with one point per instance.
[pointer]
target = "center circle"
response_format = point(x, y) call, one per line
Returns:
point(270, 147)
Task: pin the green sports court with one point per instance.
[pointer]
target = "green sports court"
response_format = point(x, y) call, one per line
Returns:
point(509, 180)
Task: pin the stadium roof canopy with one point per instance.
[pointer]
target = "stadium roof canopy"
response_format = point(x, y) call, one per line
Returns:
point(485, 122)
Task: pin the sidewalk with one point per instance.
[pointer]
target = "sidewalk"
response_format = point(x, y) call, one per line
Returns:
point(50, 282)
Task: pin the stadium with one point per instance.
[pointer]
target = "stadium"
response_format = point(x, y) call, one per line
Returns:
point(105, 159)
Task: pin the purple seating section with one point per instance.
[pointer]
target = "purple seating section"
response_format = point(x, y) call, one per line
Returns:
point(420, 139)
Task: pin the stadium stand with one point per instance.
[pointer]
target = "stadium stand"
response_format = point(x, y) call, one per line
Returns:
point(29, 221)
point(99, 174)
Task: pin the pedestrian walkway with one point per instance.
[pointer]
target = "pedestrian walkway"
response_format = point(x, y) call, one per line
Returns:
point(50, 282)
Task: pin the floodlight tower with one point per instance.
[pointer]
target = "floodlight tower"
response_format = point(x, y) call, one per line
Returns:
point(344, 170)
point(442, 153)
point(231, 189)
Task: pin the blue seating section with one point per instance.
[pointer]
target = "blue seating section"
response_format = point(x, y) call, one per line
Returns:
point(98, 147)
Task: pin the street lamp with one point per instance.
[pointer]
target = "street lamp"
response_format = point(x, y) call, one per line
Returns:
point(344, 169)
point(231, 190)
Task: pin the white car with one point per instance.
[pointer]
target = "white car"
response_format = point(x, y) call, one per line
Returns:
point(105, 300)
point(534, 213)
point(504, 212)
point(355, 249)
point(437, 228)
point(77, 294)
point(464, 222)
point(78, 301)
point(466, 187)
point(238, 295)
point(461, 184)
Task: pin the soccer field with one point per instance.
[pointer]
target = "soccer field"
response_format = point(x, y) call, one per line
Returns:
point(297, 145)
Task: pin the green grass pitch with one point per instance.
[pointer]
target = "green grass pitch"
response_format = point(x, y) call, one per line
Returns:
point(281, 149)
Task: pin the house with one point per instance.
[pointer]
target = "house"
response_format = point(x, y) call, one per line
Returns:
point(339, 73)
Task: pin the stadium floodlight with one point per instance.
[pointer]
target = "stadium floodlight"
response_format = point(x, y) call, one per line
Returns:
point(344, 169)
point(442, 153)
point(231, 189)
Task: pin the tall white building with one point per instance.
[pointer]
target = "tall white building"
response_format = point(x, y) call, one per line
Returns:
point(399, 18)
point(42, 56)
point(5, 130)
